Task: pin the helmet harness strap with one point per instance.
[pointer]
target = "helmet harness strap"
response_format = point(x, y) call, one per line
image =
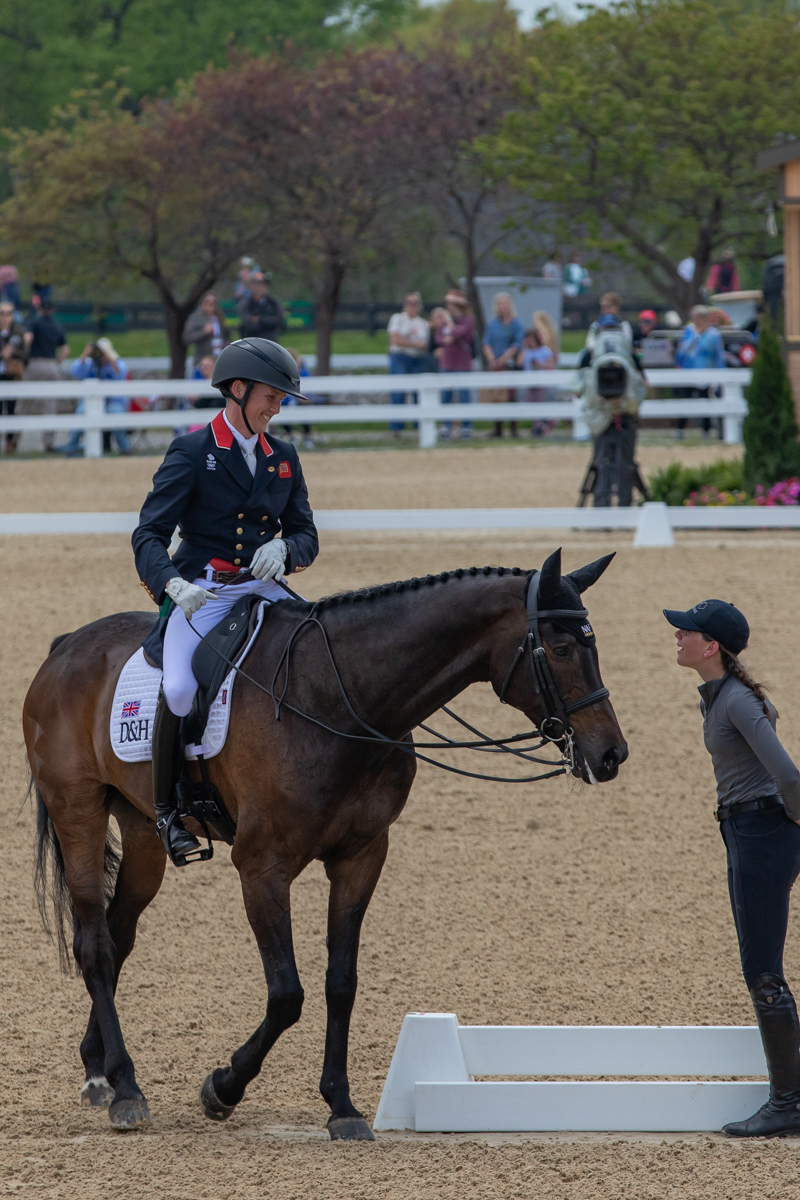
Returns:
point(228, 394)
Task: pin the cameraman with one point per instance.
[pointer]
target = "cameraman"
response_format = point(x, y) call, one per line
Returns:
point(100, 360)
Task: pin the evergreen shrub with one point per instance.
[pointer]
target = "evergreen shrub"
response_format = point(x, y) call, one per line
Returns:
point(674, 484)
point(771, 449)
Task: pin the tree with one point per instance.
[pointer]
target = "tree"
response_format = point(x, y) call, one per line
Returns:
point(48, 47)
point(465, 84)
point(332, 148)
point(771, 449)
point(104, 196)
point(641, 125)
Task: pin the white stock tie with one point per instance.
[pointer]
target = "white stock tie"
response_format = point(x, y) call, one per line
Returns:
point(250, 458)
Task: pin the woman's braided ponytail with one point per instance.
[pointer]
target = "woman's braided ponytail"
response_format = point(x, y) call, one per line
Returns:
point(731, 664)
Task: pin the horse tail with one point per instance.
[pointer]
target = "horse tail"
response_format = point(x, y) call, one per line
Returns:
point(55, 905)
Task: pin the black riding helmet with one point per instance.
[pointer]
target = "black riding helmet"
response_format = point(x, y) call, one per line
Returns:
point(256, 360)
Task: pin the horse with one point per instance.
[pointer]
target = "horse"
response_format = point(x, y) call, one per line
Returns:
point(301, 779)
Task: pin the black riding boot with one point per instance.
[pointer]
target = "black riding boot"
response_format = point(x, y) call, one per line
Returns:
point(167, 753)
point(776, 1014)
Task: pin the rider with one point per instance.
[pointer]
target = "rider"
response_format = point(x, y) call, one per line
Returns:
point(230, 488)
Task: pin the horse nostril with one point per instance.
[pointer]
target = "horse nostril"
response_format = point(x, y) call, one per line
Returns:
point(611, 759)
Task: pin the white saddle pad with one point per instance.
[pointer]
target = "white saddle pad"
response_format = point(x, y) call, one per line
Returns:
point(136, 697)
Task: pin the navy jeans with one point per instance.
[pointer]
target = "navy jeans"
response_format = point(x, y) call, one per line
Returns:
point(763, 863)
point(463, 398)
point(404, 364)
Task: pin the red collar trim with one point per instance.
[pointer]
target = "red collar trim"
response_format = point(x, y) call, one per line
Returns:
point(223, 436)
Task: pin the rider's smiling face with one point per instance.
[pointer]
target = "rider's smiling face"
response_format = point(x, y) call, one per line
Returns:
point(263, 404)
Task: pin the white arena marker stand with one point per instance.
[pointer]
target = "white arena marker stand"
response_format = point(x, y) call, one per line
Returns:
point(428, 1048)
point(430, 1085)
point(654, 528)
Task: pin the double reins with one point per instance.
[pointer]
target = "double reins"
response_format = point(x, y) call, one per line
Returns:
point(544, 684)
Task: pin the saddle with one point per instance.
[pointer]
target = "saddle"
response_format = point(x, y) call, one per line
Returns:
point(211, 663)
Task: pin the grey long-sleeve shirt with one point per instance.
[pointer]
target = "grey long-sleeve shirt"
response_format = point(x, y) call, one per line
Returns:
point(748, 758)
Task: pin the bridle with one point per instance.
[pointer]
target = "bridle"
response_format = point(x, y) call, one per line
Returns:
point(556, 726)
point(554, 729)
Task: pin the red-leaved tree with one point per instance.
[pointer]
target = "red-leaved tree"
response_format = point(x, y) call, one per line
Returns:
point(329, 148)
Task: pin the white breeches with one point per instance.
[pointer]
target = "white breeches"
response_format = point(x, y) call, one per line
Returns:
point(181, 640)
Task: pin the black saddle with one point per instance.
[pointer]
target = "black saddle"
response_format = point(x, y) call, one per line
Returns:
point(212, 659)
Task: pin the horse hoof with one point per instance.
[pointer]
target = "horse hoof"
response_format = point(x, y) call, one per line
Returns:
point(211, 1104)
point(130, 1113)
point(97, 1093)
point(350, 1129)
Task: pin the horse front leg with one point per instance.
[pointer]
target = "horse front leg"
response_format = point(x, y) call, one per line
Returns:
point(266, 899)
point(353, 881)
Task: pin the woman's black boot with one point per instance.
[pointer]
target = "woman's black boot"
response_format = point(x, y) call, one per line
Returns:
point(167, 755)
point(776, 1014)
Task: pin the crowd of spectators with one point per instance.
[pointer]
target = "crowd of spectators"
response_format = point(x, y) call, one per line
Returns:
point(447, 342)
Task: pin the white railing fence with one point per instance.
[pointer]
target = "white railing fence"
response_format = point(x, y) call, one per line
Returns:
point(731, 408)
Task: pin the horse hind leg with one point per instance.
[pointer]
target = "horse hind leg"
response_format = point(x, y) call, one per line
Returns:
point(139, 874)
point(77, 823)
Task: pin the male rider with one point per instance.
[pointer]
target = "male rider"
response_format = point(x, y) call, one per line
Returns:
point(230, 488)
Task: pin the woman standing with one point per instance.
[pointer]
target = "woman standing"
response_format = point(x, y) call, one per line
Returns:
point(454, 340)
point(758, 794)
point(502, 342)
point(206, 328)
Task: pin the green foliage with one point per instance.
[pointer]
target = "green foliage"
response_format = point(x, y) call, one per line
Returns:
point(641, 126)
point(675, 483)
point(771, 449)
point(48, 48)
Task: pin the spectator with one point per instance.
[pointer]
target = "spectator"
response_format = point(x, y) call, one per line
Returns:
point(456, 342)
point(247, 268)
point(261, 314)
point(576, 277)
point(536, 355)
point(610, 302)
point(501, 345)
point(308, 440)
point(439, 318)
point(47, 348)
point(204, 369)
point(12, 361)
point(9, 287)
point(408, 343)
point(552, 268)
point(99, 360)
point(206, 328)
point(701, 346)
point(547, 330)
point(723, 276)
point(644, 327)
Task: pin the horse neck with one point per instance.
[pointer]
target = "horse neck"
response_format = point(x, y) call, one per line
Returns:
point(401, 657)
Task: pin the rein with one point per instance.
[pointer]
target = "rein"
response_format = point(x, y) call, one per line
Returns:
point(544, 684)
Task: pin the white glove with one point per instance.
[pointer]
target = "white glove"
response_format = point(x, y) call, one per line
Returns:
point(188, 596)
point(268, 561)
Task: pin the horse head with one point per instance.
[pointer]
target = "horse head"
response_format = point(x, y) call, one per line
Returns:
point(556, 681)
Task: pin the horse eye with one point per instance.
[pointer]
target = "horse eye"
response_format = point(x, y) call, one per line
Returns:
point(561, 651)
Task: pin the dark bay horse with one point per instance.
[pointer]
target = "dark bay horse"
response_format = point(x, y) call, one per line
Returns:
point(296, 791)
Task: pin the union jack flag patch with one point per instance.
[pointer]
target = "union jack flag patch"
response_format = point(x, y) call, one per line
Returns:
point(131, 709)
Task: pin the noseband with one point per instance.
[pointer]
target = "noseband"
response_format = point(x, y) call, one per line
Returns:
point(556, 725)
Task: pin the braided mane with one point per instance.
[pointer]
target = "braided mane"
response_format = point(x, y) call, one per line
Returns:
point(402, 585)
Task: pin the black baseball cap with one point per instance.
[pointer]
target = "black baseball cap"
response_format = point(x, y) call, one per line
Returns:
point(717, 619)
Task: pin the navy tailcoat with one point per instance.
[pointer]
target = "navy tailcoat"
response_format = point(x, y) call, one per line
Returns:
point(204, 487)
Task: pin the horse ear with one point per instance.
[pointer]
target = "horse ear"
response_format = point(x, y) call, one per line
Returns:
point(584, 577)
point(550, 580)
